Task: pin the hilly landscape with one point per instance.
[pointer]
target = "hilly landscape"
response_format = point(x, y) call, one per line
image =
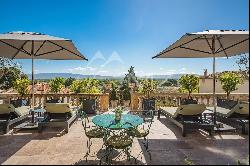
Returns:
point(44, 76)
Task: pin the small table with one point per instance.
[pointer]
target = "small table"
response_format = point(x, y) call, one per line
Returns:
point(30, 125)
point(108, 121)
point(40, 113)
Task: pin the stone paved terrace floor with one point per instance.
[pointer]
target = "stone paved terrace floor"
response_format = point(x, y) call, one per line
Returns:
point(167, 147)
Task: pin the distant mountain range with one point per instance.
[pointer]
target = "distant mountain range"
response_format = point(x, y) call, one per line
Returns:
point(81, 76)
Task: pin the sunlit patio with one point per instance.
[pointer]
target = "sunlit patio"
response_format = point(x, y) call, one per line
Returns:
point(167, 146)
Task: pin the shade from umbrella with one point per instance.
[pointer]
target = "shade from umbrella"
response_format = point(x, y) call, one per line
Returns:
point(30, 45)
point(209, 43)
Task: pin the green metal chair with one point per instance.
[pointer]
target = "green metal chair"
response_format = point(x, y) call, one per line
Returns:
point(117, 140)
point(90, 131)
point(143, 130)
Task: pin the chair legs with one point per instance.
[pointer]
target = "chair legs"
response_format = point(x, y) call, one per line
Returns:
point(89, 143)
point(146, 146)
point(109, 151)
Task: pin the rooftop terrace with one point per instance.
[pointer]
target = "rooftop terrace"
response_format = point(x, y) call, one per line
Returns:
point(167, 146)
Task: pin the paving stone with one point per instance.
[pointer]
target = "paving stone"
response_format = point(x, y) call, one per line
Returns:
point(166, 145)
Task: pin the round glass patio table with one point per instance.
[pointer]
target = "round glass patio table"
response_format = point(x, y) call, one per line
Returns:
point(108, 121)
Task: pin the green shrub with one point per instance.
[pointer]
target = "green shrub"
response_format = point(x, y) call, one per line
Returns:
point(230, 81)
point(22, 86)
point(147, 87)
point(56, 84)
point(88, 85)
point(189, 83)
point(113, 93)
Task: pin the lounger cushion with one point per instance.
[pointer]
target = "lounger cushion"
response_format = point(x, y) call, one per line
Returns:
point(190, 109)
point(228, 104)
point(170, 111)
point(242, 109)
point(224, 111)
point(21, 111)
point(6, 108)
point(57, 107)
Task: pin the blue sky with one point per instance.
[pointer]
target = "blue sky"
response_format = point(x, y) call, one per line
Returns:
point(115, 34)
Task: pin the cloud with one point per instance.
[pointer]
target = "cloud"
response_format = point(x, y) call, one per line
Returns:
point(81, 69)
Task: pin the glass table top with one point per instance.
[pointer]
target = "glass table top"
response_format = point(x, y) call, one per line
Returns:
point(108, 121)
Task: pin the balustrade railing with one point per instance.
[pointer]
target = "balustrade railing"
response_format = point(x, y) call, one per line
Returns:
point(162, 99)
point(73, 99)
point(174, 99)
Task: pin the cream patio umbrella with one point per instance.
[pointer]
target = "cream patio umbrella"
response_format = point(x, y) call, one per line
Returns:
point(209, 43)
point(30, 45)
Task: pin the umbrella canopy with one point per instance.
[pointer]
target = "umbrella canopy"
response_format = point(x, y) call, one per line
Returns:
point(209, 43)
point(30, 45)
point(22, 45)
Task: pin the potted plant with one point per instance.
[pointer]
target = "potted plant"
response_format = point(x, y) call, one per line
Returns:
point(87, 86)
point(56, 86)
point(22, 87)
point(229, 82)
point(189, 83)
point(148, 87)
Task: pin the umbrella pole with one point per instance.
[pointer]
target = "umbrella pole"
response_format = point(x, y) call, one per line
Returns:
point(33, 99)
point(214, 97)
point(214, 78)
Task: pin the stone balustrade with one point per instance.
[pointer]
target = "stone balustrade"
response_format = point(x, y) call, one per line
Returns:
point(162, 99)
point(174, 99)
point(73, 99)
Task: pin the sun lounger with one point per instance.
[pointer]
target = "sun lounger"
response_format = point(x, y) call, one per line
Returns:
point(189, 117)
point(237, 116)
point(11, 116)
point(58, 115)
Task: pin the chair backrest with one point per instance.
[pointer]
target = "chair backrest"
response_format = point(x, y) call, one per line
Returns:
point(190, 109)
point(20, 102)
point(242, 108)
point(148, 104)
point(188, 101)
point(6, 108)
point(23, 110)
point(228, 104)
point(57, 108)
point(89, 106)
point(54, 101)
